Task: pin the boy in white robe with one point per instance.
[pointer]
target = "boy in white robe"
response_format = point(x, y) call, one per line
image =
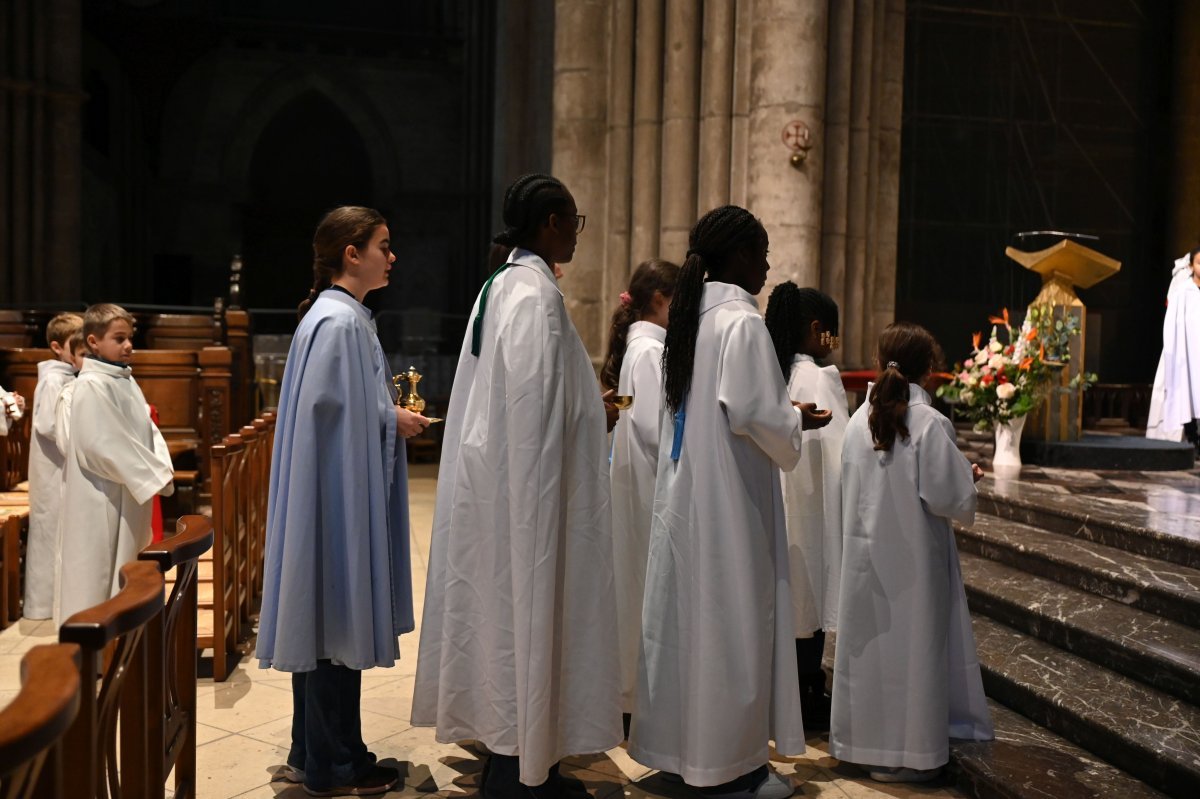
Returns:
point(116, 461)
point(1175, 399)
point(906, 676)
point(518, 638)
point(46, 467)
point(803, 323)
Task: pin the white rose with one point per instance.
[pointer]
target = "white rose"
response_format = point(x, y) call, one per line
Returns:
point(997, 362)
point(1005, 391)
point(995, 346)
point(982, 357)
point(966, 396)
point(972, 381)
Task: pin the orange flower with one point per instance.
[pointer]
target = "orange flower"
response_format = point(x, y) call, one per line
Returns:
point(1025, 364)
point(1032, 334)
point(1002, 319)
point(975, 337)
point(1041, 352)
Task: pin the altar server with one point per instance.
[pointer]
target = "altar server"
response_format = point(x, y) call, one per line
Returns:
point(1175, 399)
point(717, 672)
point(46, 468)
point(116, 461)
point(633, 367)
point(803, 323)
point(906, 676)
point(519, 638)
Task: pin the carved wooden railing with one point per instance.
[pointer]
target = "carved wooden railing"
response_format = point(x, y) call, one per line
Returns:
point(36, 720)
point(222, 612)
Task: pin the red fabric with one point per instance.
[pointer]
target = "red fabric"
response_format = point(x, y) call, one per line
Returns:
point(156, 520)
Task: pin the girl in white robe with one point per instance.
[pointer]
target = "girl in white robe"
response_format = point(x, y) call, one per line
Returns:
point(633, 367)
point(46, 467)
point(803, 324)
point(906, 676)
point(717, 668)
point(1175, 399)
point(519, 636)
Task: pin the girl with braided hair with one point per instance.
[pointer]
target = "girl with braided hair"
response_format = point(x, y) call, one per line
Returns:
point(717, 669)
point(634, 367)
point(803, 323)
point(906, 675)
point(519, 637)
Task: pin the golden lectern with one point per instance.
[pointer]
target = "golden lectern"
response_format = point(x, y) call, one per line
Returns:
point(1063, 266)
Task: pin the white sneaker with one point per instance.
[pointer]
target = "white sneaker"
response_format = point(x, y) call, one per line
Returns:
point(903, 774)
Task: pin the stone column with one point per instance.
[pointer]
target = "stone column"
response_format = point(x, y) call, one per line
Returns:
point(580, 148)
point(1185, 130)
point(739, 126)
point(617, 258)
point(854, 311)
point(716, 104)
point(680, 132)
point(788, 82)
point(887, 195)
point(837, 158)
point(647, 130)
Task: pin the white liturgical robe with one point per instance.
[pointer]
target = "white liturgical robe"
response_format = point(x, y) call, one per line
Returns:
point(1175, 399)
point(116, 462)
point(906, 676)
point(812, 498)
point(45, 490)
point(519, 637)
point(717, 672)
point(634, 463)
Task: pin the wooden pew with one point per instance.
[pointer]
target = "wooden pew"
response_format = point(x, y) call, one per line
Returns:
point(14, 527)
point(109, 636)
point(219, 624)
point(14, 449)
point(168, 682)
point(36, 720)
point(248, 523)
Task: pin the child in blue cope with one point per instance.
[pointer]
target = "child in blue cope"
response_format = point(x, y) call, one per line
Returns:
point(906, 676)
point(633, 368)
point(116, 461)
point(717, 667)
point(337, 587)
point(804, 327)
point(46, 467)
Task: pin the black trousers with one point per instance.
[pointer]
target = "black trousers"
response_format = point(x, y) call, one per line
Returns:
point(327, 726)
point(502, 780)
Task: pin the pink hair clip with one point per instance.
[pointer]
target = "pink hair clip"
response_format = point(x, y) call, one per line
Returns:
point(626, 299)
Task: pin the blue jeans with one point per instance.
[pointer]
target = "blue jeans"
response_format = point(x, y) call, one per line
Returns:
point(327, 726)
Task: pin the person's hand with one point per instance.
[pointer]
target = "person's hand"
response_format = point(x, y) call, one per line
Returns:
point(409, 424)
point(610, 411)
point(976, 472)
point(20, 401)
point(810, 417)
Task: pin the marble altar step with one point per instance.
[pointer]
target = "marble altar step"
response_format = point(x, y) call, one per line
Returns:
point(1027, 761)
point(1165, 534)
point(1146, 732)
point(1158, 651)
point(1164, 589)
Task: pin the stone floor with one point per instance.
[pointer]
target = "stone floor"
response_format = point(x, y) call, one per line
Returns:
point(244, 724)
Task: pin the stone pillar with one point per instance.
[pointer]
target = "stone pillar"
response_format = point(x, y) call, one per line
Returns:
point(680, 131)
point(647, 130)
point(716, 105)
point(40, 143)
point(739, 127)
point(854, 311)
point(789, 43)
point(887, 195)
point(1185, 129)
point(618, 260)
point(580, 148)
point(837, 157)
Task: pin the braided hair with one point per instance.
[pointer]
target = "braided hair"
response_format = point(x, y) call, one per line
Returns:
point(790, 313)
point(337, 230)
point(528, 202)
point(719, 235)
point(655, 275)
point(906, 354)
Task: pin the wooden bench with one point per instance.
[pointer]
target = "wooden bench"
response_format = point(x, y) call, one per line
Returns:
point(14, 527)
point(36, 720)
point(220, 591)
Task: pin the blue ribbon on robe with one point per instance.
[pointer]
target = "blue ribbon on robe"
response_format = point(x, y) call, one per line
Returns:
point(680, 418)
point(477, 326)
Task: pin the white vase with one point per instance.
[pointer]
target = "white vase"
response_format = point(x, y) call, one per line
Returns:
point(1007, 459)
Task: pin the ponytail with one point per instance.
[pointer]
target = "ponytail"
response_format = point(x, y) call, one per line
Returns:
point(651, 277)
point(790, 313)
point(348, 225)
point(906, 354)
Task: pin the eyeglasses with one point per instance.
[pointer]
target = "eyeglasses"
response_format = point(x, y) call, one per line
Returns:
point(580, 221)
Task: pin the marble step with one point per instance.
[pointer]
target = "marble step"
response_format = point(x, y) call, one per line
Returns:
point(1030, 762)
point(1150, 734)
point(1164, 589)
point(1166, 534)
point(1160, 652)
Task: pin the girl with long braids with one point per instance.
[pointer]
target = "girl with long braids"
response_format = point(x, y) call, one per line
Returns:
point(519, 636)
point(633, 367)
point(337, 587)
point(717, 669)
point(803, 323)
point(906, 676)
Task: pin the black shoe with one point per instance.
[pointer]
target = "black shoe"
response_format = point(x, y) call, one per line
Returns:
point(815, 706)
point(377, 780)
